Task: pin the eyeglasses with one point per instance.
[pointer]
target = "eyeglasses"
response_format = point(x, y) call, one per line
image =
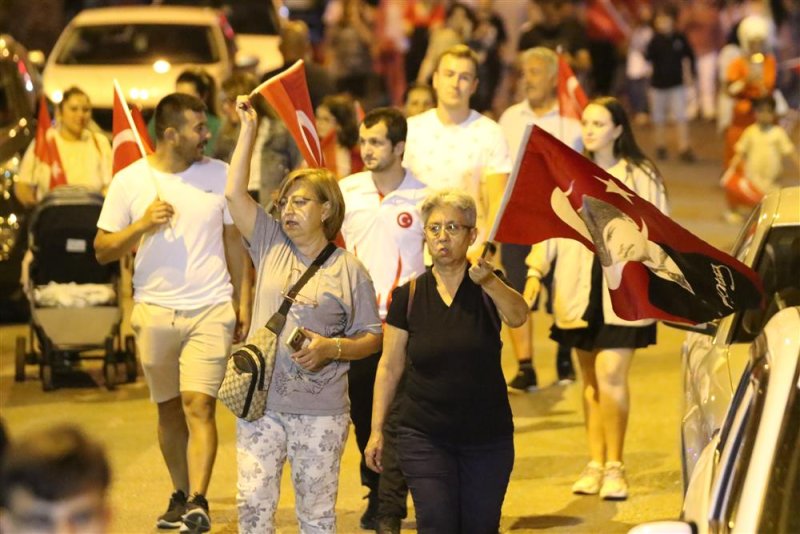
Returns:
point(306, 297)
point(298, 203)
point(451, 229)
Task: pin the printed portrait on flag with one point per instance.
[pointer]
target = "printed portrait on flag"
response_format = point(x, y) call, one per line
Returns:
point(654, 268)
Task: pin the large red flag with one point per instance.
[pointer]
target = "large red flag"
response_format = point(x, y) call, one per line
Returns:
point(128, 144)
point(571, 98)
point(46, 151)
point(654, 267)
point(287, 93)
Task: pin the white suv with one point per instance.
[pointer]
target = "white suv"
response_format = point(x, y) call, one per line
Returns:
point(144, 47)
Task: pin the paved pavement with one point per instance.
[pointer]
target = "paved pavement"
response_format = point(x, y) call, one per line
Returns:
point(550, 441)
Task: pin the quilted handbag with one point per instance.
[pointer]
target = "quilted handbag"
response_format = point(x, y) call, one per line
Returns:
point(245, 386)
point(249, 371)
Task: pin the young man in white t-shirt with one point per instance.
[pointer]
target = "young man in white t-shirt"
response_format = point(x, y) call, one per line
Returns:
point(383, 228)
point(453, 146)
point(188, 271)
point(540, 107)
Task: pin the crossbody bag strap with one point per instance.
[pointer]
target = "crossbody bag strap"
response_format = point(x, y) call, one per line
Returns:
point(278, 318)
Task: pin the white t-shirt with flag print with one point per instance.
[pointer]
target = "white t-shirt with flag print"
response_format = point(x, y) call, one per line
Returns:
point(459, 156)
point(385, 233)
point(181, 265)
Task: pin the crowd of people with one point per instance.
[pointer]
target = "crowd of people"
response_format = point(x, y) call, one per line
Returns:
point(230, 218)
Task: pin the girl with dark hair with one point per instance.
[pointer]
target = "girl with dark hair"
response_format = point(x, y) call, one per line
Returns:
point(337, 126)
point(584, 318)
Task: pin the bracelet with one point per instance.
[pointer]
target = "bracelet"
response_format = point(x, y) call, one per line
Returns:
point(338, 348)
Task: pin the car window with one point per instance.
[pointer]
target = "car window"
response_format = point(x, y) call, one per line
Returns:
point(779, 514)
point(778, 266)
point(139, 44)
point(736, 447)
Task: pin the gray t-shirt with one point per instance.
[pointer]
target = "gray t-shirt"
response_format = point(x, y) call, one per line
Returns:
point(338, 301)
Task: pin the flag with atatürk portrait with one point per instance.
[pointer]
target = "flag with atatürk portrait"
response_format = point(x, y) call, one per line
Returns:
point(654, 267)
point(287, 93)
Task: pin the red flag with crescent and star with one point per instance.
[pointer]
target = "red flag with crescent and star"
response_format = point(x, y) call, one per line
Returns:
point(131, 141)
point(287, 93)
point(45, 152)
point(571, 97)
point(654, 268)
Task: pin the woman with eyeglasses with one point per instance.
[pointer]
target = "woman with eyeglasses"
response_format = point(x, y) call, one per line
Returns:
point(455, 436)
point(307, 414)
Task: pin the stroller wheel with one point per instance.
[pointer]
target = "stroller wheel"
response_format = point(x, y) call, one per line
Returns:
point(130, 358)
point(110, 376)
point(110, 365)
point(46, 372)
point(19, 360)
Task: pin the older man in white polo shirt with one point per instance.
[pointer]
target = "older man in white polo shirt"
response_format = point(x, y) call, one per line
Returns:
point(540, 107)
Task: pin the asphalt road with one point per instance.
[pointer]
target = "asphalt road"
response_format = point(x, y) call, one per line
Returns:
point(550, 440)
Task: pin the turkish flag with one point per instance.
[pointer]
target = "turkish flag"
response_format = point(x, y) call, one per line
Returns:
point(287, 93)
point(46, 151)
point(571, 97)
point(654, 268)
point(130, 139)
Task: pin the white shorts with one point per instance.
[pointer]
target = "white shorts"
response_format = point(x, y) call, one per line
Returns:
point(183, 350)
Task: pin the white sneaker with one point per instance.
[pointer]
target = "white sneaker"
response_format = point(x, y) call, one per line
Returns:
point(589, 481)
point(615, 486)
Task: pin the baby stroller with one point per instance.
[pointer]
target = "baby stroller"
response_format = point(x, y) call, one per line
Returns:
point(75, 312)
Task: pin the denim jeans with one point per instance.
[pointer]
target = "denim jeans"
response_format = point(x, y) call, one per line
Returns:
point(456, 488)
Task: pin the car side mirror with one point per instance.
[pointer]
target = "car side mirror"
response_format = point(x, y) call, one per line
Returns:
point(708, 329)
point(664, 527)
point(37, 57)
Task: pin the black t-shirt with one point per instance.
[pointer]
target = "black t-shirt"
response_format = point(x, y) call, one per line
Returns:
point(666, 53)
point(454, 387)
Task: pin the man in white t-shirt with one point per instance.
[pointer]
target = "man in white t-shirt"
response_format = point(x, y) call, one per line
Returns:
point(383, 228)
point(540, 77)
point(453, 146)
point(187, 272)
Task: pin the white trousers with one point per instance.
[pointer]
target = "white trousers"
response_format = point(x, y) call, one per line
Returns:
point(313, 445)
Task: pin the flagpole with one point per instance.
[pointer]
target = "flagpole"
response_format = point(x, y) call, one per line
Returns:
point(512, 179)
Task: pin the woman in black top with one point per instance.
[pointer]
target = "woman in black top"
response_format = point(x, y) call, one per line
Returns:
point(455, 441)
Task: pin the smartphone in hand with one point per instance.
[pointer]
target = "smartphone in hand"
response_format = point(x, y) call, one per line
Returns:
point(298, 339)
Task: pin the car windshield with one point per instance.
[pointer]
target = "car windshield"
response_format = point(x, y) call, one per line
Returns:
point(139, 44)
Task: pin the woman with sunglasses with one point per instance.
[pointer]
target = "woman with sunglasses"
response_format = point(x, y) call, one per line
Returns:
point(307, 414)
point(455, 432)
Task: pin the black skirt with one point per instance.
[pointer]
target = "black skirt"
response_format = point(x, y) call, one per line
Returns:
point(598, 334)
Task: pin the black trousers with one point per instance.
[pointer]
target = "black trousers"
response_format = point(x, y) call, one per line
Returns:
point(389, 486)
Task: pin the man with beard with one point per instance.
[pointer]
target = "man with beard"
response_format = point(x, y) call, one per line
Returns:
point(187, 272)
point(383, 227)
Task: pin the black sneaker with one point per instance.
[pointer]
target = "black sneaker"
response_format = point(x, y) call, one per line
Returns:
point(172, 518)
point(369, 520)
point(388, 525)
point(196, 518)
point(564, 366)
point(524, 381)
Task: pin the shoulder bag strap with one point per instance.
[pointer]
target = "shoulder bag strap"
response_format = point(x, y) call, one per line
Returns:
point(278, 319)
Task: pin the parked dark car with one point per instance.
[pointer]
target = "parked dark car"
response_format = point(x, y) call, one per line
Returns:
point(20, 87)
